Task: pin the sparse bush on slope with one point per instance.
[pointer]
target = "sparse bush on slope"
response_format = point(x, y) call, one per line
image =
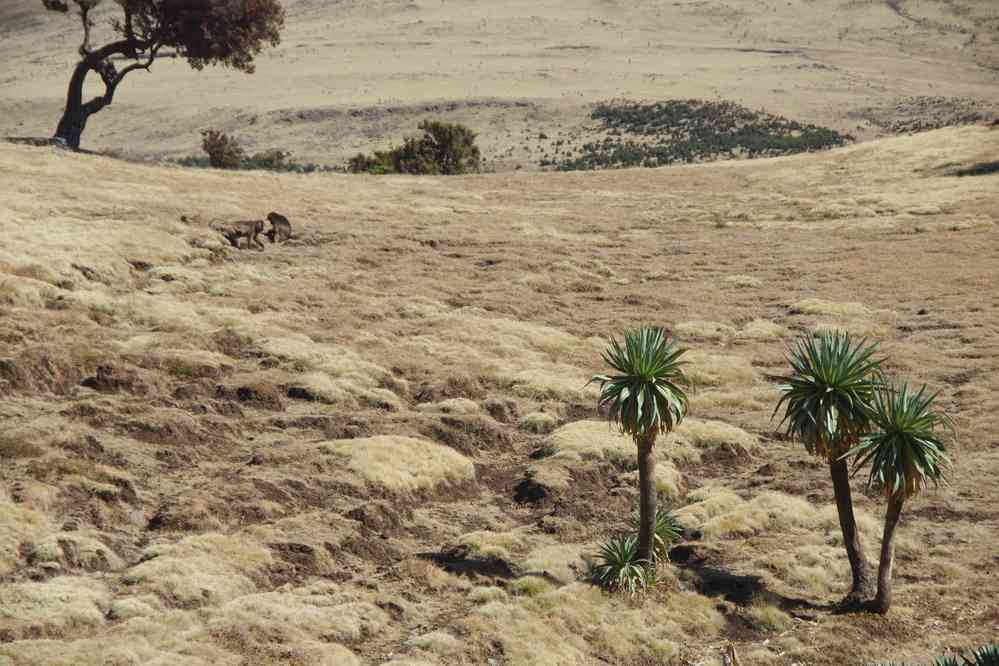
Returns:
point(685, 131)
point(445, 149)
point(225, 152)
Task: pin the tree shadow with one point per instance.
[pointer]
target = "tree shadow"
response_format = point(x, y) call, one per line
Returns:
point(37, 141)
point(457, 561)
point(742, 590)
point(980, 169)
point(45, 142)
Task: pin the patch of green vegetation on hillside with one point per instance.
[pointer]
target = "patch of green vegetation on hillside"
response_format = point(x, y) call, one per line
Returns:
point(687, 131)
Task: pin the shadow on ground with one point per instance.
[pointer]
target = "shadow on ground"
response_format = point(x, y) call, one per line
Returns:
point(980, 169)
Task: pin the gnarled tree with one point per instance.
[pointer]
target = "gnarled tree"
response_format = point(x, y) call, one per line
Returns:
point(204, 32)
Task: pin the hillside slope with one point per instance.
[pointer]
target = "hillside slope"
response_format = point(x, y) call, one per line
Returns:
point(220, 456)
point(355, 76)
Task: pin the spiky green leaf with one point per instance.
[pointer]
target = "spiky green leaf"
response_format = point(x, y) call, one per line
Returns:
point(905, 447)
point(826, 397)
point(645, 393)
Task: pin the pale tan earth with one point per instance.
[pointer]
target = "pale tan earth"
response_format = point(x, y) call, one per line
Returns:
point(358, 76)
point(314, 454)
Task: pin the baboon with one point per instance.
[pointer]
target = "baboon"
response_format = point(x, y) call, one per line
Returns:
point(280, 227)
point(249, 229)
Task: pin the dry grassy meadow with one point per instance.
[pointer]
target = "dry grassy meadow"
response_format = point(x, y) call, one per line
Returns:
point(228, 457)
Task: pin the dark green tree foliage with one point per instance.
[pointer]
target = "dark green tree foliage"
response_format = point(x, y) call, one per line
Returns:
point(204, 32)
point(684, 131)
point(445, 149)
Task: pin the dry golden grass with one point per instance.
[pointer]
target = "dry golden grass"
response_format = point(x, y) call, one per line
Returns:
point(817, 306)
point(695, 437)
point(743, 281)
point(430, 577)
point(317, 612)
point(581, 442)
point(20, 525)
point(496, 544)
point(564, 562)
point(485, 595)
point(707, 369)
point(565, 625)
point(204, 569)
point(766, 617)
point(403, 464)
point(704, 330)
point(64, 607)
point(287, 531)
point(761, 329)
point(438, 642)
point(540, 423)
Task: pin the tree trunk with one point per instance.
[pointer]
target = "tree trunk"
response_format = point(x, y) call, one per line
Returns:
point(74, 116)
point(862, 584)
point(647, 497)
point(883, 601)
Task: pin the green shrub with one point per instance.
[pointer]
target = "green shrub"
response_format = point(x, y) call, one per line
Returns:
point(270, 160)
point(618, 568)
point(224, 151)
point(443, 149)
point(668, 532)
point(379, 163)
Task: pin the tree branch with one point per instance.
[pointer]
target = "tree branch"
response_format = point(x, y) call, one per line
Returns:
point(139, 65)
point(85, 19)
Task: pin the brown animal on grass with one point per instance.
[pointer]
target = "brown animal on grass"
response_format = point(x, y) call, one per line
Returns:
point(280, 227)
point(248, 229)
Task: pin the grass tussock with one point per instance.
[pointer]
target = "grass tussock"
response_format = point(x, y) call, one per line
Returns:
point(743, 281)
point(704, 330)
point(496, 544)
point(539, 423)
point(312, 613)
point(766, 617)
point(20, 525)
point(758, 398)
point(402, 464)
point(437, 642)
point(761, 329)
point(817, 306)
point(564, 562)
point(199, 570)
point(566, 625)
point(708, 369)
point(694, 439)
point(63, 607)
